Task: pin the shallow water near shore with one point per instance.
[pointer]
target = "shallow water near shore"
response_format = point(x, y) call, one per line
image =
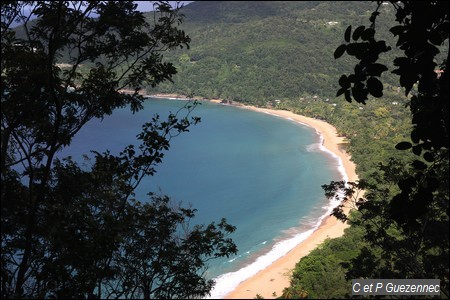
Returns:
point(260, 172)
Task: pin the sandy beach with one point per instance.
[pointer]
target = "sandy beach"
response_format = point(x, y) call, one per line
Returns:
point(270, 282)
point(276, 277)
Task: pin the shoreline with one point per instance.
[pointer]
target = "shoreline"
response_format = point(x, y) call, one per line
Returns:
point(276, 277)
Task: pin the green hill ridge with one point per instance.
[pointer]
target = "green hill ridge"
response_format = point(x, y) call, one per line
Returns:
point(258, 51)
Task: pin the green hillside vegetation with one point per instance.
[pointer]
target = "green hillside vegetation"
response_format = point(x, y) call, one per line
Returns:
point(260, 52)
point(322, 274)
point(371, 130)
point(256, 52)
point(279, 54)
point(401, 227)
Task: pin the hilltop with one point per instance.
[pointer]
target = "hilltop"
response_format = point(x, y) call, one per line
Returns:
point(258, 51)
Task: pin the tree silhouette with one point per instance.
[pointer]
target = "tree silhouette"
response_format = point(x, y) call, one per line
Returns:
point(73, 232)
point(412, 220)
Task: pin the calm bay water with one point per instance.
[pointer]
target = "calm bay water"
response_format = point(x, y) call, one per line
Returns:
point(260, 172)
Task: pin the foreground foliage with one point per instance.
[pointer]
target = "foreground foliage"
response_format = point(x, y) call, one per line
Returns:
point(73, 232)
point(404, 214)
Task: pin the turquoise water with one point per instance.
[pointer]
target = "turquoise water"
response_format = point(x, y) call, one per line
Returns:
point(261, 172)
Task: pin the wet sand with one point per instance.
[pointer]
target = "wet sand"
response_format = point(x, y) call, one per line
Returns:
point(270, 282)
point(276, 277)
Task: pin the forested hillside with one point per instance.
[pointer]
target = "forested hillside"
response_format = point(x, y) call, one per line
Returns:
point(78, 232)
point(259, 52)
point(281, 54)
point(256, 51)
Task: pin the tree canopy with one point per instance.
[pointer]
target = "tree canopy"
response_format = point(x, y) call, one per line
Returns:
point(422, 28)
point(405, 211)
point(77, 232)
point(267, 50)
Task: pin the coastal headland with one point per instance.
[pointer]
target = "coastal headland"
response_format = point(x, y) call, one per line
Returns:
point(270, 282)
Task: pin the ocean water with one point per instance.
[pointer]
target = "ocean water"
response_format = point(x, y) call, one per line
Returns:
point(261, 172)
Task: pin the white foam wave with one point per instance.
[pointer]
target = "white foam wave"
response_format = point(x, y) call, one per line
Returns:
point(320, 146)
point(340, 168)
point(313, 147)
point(227, 282)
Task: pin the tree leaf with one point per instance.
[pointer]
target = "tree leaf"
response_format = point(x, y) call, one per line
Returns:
point(369, 33)
point(407, 183)
point(396, 30)
point(415, 136)
point(419, 165)
point(357, 33)
point(357, 49)
point(417, 150)
point(376, 69)
point(339, 51)
point(344, 82)
point(347, 96)
point(403, 146)
point(360, 93)
point(347, 33)
point(375, 87)
point(340, 92)
point(407, 81)
point(428, 156)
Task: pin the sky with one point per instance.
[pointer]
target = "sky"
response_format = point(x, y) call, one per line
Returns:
point(143, 6)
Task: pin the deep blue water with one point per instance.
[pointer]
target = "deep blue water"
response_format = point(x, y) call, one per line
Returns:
point(260, 172)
